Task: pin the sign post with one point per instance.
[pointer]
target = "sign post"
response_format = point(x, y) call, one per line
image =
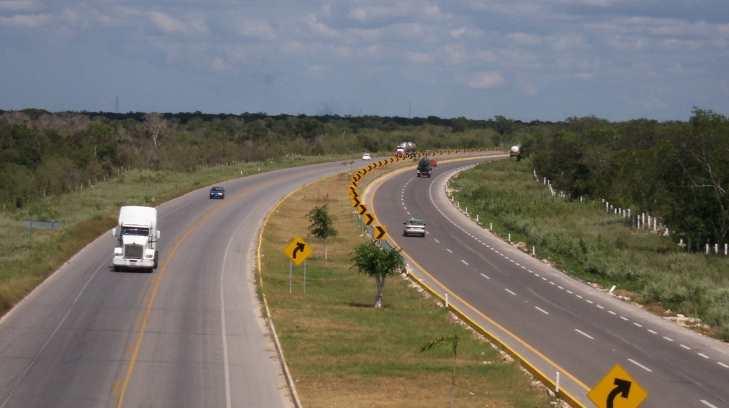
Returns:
point(297, 250)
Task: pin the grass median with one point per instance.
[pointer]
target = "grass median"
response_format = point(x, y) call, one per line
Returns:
point(582, 240)
point(343, 352)
point(28, 257)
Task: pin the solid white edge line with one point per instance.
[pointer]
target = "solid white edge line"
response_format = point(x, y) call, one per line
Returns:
point(640, 365)
point(223, 326)
point(584, 334)
point(34, 359)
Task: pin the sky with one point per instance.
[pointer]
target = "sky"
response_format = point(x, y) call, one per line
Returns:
point(523, 59)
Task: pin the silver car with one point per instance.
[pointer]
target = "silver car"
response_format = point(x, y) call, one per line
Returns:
point(414, 227)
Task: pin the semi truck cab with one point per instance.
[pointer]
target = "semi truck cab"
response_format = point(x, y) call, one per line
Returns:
point(137, 239)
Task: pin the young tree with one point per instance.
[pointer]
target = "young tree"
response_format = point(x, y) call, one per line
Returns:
point(378, 263)
point(321, 225)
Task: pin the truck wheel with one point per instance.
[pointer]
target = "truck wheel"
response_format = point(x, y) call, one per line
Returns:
point(156, 259)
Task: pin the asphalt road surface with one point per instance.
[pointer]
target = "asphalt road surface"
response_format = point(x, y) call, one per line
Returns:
point(188, 335)
point(567, 325)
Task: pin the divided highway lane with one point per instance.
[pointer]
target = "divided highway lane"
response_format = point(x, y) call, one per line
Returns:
point(583, 330)
point(187, 335)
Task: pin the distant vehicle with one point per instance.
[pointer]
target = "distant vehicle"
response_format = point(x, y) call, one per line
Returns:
point(414, 227)
point(366, 156)
point(424, 167)
point(217, 192)
point(405, 149)
point(515, 151)
point(137, 239)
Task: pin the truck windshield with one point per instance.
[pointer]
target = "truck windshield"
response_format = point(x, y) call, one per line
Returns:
point(135, 231)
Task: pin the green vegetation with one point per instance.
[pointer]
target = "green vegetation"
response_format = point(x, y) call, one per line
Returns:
point(343, 352)
point(44, 154)
point(378, 263)
point(676, 170)
point(584, 241)
point(26, 260)
point(321, 225)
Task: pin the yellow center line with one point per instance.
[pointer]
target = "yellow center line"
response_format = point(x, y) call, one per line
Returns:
point(152, 294)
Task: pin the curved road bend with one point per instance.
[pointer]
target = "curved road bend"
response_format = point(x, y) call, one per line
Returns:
point(76, 340)
point(583, 330)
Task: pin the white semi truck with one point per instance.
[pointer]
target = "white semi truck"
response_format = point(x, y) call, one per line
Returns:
point(137, 239)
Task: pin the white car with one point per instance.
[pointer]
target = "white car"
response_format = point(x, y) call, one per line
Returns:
point(366, 156)
point(414, 227)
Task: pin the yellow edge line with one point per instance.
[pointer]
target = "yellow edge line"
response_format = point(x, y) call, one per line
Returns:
point(571, 399)
point(152, 294)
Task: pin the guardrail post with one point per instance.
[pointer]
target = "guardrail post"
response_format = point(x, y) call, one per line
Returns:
point(556, 384)
point(534, 250)
point(446, 300)
point(491, 226)
point(510, 237)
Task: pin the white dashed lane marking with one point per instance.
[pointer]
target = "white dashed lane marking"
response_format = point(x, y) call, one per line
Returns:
point(708, 404)
point(601, 307)
point(624, 318)
point(463, 261)
point(584, 334)
point(542, 310)
point(485, 276)
point(636, 324)
point(611, 312)
point(449, 250)
point(640, 365)
point(702, 355)
point(436, 240)
point(511, 292)
point(723, 365)
point(652, 331)
point(685, 347)
point(668, 339)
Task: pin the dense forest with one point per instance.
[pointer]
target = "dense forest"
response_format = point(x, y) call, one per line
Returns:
point(678, 171)
point(44, 153)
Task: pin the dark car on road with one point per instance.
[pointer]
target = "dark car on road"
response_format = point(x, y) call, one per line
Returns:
point(217, 192)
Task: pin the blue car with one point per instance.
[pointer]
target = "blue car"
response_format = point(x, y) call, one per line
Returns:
point(217, 192)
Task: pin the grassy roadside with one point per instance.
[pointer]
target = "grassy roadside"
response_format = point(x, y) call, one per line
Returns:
point(342, 352)
point(26, 261)
point(582, 240)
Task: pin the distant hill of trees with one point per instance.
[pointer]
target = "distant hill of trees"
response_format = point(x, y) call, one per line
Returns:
point(43, 153)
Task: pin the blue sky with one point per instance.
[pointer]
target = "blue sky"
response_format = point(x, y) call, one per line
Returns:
point(524, 59)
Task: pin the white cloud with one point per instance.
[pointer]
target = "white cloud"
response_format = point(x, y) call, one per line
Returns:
point(169, 24)
point(526, 39)
point(420, 57)
point(256, 29)
point(25, 20)
point(19, 5)
point(486, 80)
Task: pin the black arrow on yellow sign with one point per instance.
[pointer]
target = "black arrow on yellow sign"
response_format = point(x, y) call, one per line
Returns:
point(622, 388)
point(356, 202)
point(362, 209)
point(368, 218)
point(379, 232)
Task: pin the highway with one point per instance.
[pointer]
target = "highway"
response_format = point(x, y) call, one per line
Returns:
point(188, 335)
point(558, 323)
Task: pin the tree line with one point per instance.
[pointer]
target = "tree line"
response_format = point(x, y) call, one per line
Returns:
point(676, 170)
point(43, 153)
